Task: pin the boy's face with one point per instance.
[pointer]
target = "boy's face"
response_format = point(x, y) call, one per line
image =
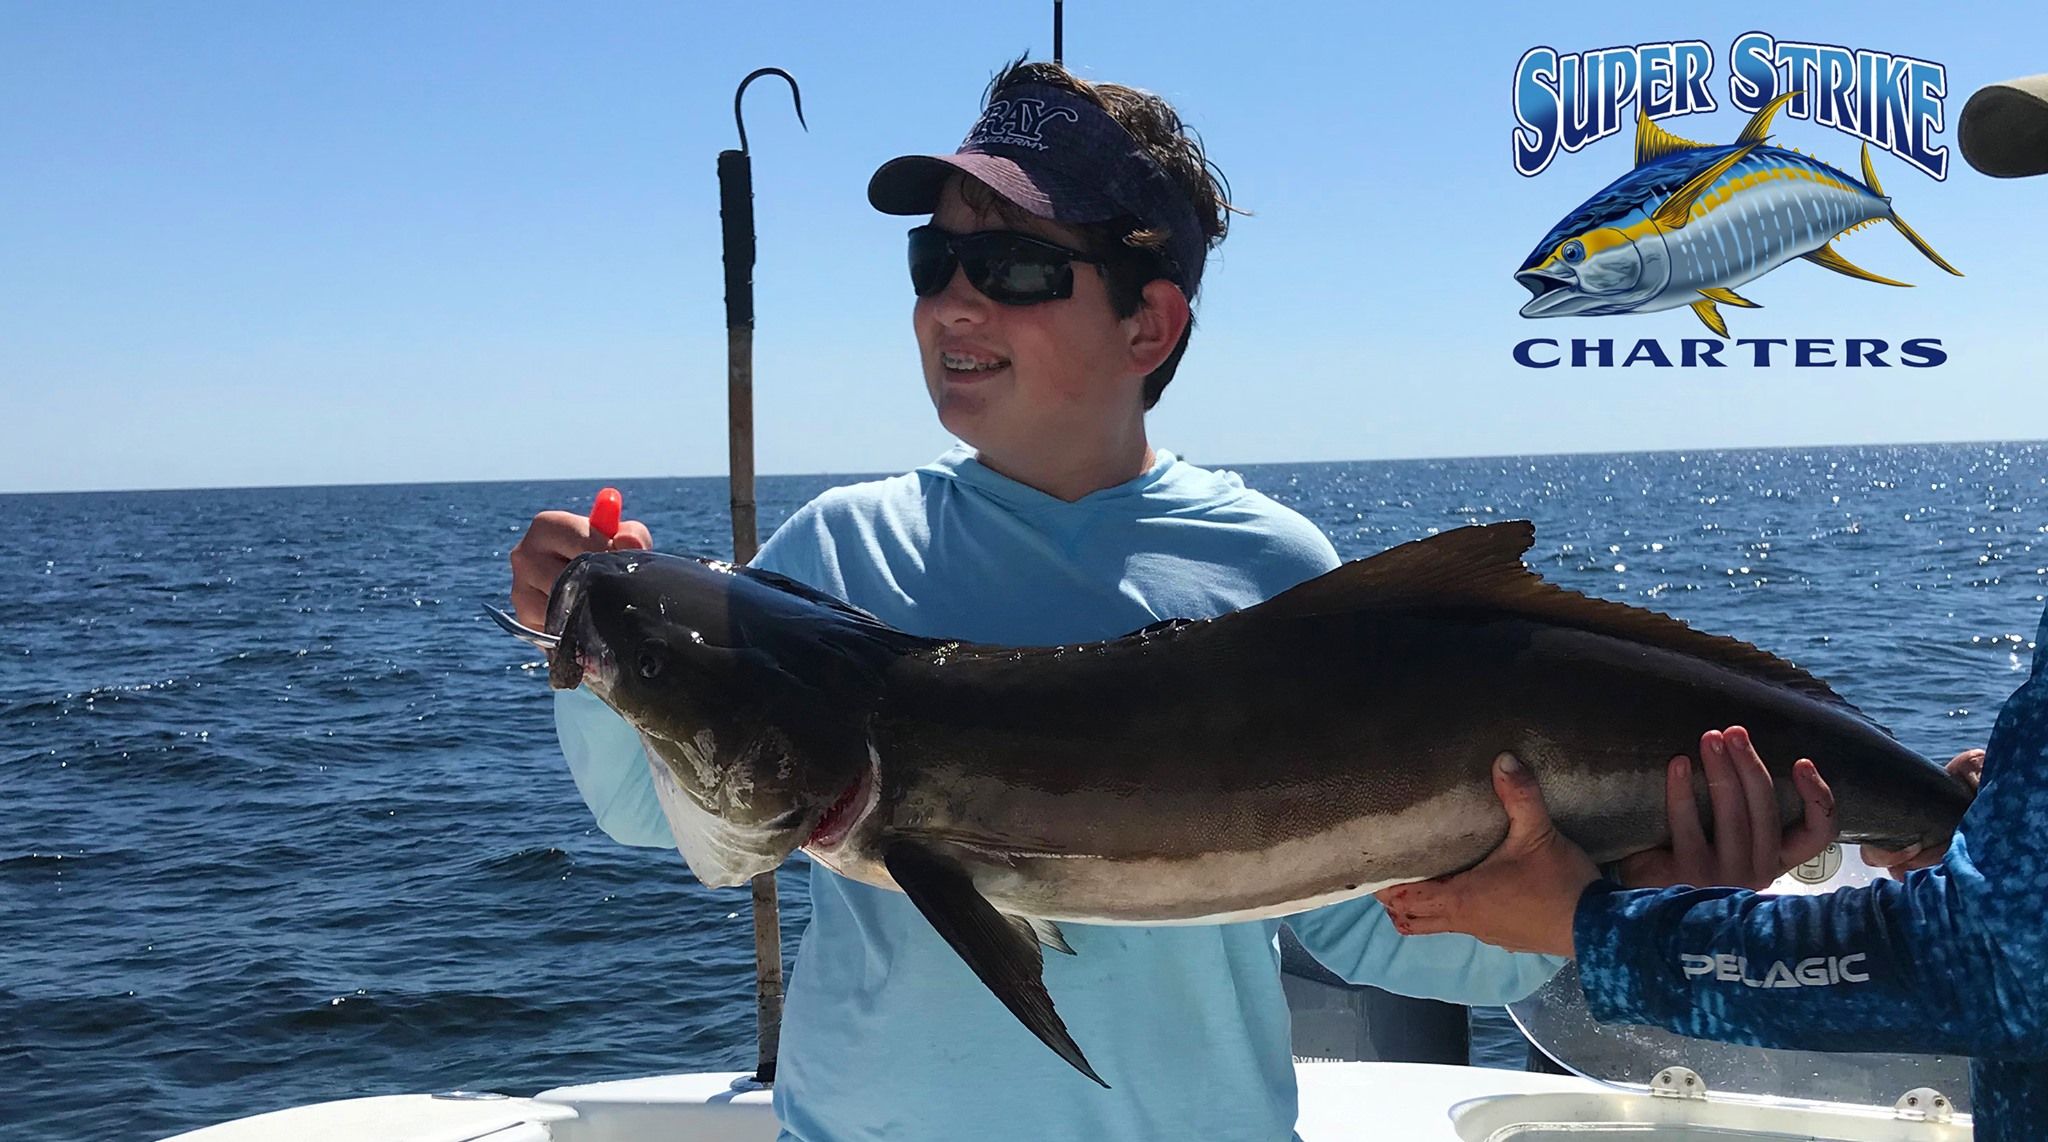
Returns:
point(1019, 379)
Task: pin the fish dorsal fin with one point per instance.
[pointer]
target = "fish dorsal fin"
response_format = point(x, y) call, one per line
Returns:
point(1759, 125)
point(1677, 210)
point(1654, 142)
point(1481, 568)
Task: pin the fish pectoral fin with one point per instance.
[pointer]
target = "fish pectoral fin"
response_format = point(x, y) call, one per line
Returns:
point(1677, 209)
point(1043, 932)
point(1711, 314)
point(1826, 256)
point(1729, 297)
point(1001, 952)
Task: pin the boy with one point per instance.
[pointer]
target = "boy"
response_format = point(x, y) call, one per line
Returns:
point(1067, 239)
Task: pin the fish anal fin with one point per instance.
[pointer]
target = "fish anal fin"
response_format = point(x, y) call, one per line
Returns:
point(1729, 297)
point(1711, 314)
point(1654, 142)
point(1828, 258)
point(1480, 567)
point(1759, 125)
point(1006, 959)
point(1677, 209)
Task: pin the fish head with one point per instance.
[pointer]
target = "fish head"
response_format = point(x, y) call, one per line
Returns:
point(749, 695)
point(1588, 266)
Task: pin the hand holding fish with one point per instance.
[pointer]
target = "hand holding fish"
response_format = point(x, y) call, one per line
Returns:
point(1966, 767)
point(551, 541)
point(1521, 897)
point(1748, 850)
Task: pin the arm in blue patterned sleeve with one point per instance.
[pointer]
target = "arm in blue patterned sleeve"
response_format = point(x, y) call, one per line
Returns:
point(1949, 960)
point(1884, 967)
point(1357, 941)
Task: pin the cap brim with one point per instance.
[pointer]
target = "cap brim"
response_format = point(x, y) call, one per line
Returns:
point(911, 185)
point(2003, 129)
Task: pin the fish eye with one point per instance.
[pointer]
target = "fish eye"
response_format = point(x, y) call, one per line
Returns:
point(653, 657)
point(1573, 252)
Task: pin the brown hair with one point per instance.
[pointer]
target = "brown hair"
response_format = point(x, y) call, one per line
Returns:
point(1134, 255)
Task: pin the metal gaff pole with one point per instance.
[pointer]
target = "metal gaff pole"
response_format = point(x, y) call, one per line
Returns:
point(736, 216)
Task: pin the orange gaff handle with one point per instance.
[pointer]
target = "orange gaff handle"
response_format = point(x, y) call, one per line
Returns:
point(604, 512)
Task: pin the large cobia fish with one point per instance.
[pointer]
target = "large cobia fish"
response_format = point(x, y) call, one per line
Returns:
point(1692, 221)
point(1326, 743)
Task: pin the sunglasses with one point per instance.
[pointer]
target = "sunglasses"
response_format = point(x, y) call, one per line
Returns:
point(1006, 267)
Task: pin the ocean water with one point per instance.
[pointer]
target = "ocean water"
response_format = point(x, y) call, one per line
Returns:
point(284, 819)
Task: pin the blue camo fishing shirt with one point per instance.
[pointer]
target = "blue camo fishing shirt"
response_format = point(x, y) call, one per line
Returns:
point(1951, 960)
point(886, 1033)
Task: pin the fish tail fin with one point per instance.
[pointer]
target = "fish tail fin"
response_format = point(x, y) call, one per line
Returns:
point(1919, 243)
point(1711, 314)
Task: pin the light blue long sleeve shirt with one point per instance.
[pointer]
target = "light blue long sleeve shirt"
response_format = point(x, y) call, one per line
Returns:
point(886, 1033)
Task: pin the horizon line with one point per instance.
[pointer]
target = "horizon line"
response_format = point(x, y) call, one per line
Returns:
point(880, 473)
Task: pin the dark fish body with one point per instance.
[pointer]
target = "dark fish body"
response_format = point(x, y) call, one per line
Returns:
point(1244, 769)
point(1321, 745)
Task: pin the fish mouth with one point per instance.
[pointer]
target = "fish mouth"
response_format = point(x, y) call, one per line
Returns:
point(568, 659)
point(1549, 291)
point(566, 664)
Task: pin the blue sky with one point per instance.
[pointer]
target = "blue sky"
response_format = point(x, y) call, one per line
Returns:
point(262, 243)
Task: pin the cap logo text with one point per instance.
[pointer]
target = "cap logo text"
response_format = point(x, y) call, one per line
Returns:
point(1018, 122)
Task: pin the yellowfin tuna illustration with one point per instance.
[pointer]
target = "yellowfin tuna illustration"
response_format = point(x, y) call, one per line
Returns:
point(1693, 221)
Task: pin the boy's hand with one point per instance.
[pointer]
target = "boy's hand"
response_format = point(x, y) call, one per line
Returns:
point(1522, 897)
point(1968, 766)
point(1749, 849)
point(551, 541)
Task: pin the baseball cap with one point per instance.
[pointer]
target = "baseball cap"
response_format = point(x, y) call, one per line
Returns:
point(1056, 155)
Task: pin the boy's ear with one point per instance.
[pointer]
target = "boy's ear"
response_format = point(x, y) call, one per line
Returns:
point(1157, 326)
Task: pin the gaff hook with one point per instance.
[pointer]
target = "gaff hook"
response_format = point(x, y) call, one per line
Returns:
point(795, 95)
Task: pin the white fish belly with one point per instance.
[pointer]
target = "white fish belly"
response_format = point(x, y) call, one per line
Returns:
point(1359, 856)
